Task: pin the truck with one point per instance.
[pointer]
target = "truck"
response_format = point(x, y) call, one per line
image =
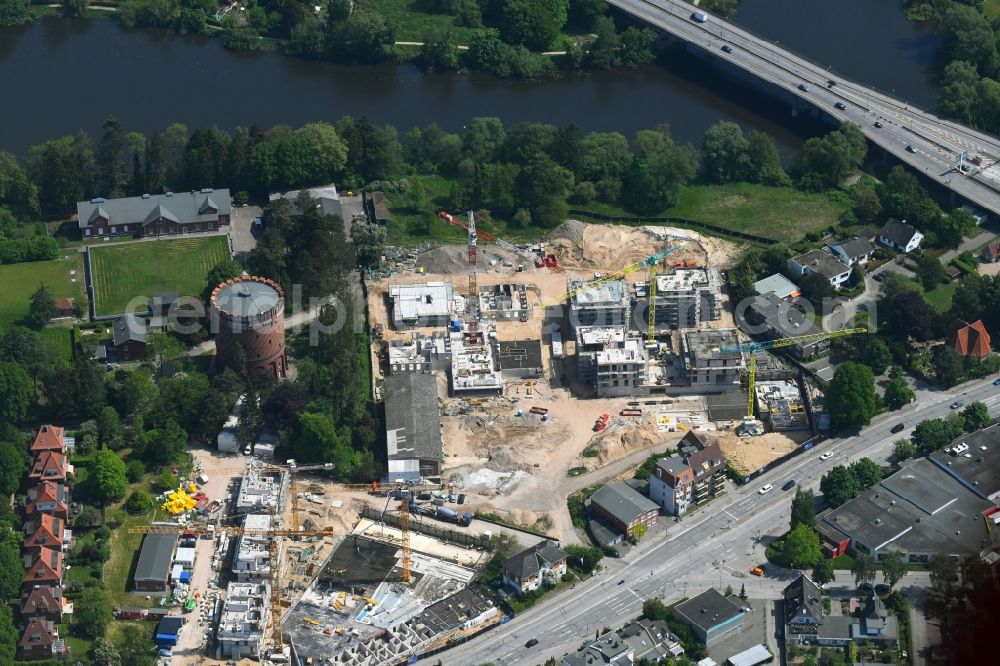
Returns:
point(452, 516)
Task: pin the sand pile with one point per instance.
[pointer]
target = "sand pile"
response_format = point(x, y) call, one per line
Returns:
point(619, 443)
point(454, 259)
point(749, 455)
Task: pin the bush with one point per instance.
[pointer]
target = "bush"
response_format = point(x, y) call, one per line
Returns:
point(134, 471)
point(138, 502)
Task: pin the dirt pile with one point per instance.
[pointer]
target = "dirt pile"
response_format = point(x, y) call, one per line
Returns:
point(615, 444)
point(749, 455)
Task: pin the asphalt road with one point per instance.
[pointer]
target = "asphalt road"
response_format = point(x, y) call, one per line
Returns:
point(715, 546)
point(916, 137)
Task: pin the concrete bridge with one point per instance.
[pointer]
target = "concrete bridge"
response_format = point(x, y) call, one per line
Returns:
point(929, 144)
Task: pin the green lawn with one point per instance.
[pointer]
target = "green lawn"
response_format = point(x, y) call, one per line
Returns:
point(413, 21)
point(18, 281)
point(940, 297)
point(991, 8)
point(122, 273)
point(59, 342)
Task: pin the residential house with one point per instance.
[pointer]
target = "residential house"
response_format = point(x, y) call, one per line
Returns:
point(970, 339)
point(609, 649)
point(899, 236)
point(991, 252)
point(695, 475)
point(152, 571)
point(156, 214)
point(852, 251)
point(48, 497)
point(43, 569)
point(44, 603)
point(651, 640)
point(48, 438)
point(40, 640)
point(806, 623)
point(823, 264)
point(778, 285)
point(526, 570)
point(777, 318)
point(618, 511)
point(46, 531)
point(712, 616)
point(49, 466)
point(129, 338)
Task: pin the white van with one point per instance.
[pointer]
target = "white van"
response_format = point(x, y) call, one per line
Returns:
point(699, 17)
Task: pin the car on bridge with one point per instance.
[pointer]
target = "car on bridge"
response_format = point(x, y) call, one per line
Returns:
point(830, 83)
point(910, 148)
point(699, 17)
point(726, 48)
point(841, 106)
point(878, 124)
point(803, 87)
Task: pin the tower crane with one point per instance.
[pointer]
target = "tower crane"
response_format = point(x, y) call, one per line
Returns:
point(648, 262)
point(510, 247)
point(651, 309)
point(750, 348)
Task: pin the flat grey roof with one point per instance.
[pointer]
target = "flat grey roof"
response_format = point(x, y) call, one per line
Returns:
point(155, 556)
point(412, 417)
point(609, 293)
point(822, 262)
point(454, 610)
point(978, 469)
point(777, 284)
point(709, 609)
point(247, 298)
point(520, 354)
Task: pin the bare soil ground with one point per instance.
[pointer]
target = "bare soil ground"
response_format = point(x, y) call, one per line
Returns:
point(749, 455)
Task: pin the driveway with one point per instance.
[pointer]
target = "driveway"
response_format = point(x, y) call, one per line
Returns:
point(968, 245)
point(241, 229)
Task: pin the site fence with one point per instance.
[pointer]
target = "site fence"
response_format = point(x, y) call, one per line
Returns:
point(433, 529)
point(675, 222)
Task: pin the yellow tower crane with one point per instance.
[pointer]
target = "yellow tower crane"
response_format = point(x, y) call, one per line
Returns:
point(750, 348)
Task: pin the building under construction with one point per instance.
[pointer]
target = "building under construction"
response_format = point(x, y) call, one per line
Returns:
point(780, 405)
point(504, 302)
point(606, 304)
point(613, 360)
point(421, 353)
point(685, 297)
point(430, 304)
point(474, 370)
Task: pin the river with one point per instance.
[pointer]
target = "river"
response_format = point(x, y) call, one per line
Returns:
point(65, 75)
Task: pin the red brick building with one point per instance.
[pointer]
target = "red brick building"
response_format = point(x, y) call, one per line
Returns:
point(39, 640)
point(155, 215)
point(970, 340)
point(48, 497)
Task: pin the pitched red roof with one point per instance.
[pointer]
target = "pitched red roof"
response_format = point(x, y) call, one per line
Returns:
point(48, 465)
point(48, 438)
point(41, 601)
point(48, 497)
point(38, 633)
point(46, 531)
point(47, 568)
point(971, 340)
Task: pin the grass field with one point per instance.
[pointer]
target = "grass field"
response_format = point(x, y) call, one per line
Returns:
point(413, 21)
point(991, 8)
point(125, 272)
point(18, 281)
point(940, 297)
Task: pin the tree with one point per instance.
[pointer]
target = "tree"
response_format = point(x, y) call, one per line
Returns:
point(903, 449)
point(285, 403)
point(163, 347)
point(655, 610)
point(867, 472)
point(947, 365)
point(222, 271)
point(838, 485)
point(93, 612)
point(910, 316)
point(42, 308)
point(369, 242)
point(603, 51)
point(317, 440)
point(943, 569)
point(802, 547)
point(976, 416)
point(533, 23)
point(25, 348)
point(931, 272)
point(138, 502)
point(14, 12)
point(438, 52)
point(827, 160)
point(13, 460)
point(89, 516)
point(725, 153)
point(639, 531)
point(134, 471)
point(658, 169)
point(877, 356)
point(109, 428)
point(803, 508)
point(363, 37)
point(11, 565)
point(864, 569)
point(167, 481)
point(823, 571)
point(104, 653)
point(893, 568)
point(637, 46)
point(16, 392)
point(743, 592)
point(110, 158)
point(957, 95)
point(933, 434)
point(897, 392)
point(851, 397)
point(815, 287)
point(108, 474)
point(8, 635)
point(162, 446)
point(867, 205)
point(832, 658)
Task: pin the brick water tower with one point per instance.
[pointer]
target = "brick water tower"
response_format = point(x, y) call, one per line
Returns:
point(248, 311)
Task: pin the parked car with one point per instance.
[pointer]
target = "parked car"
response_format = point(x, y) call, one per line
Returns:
point(897, 428)
point(826, 456)
point(531, 643)
point(957, 404)
point(765, 489)
point(788, 484)
point(758, 570)
point(841, 106)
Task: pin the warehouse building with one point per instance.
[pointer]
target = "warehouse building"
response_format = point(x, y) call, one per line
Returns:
point(413, 427)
